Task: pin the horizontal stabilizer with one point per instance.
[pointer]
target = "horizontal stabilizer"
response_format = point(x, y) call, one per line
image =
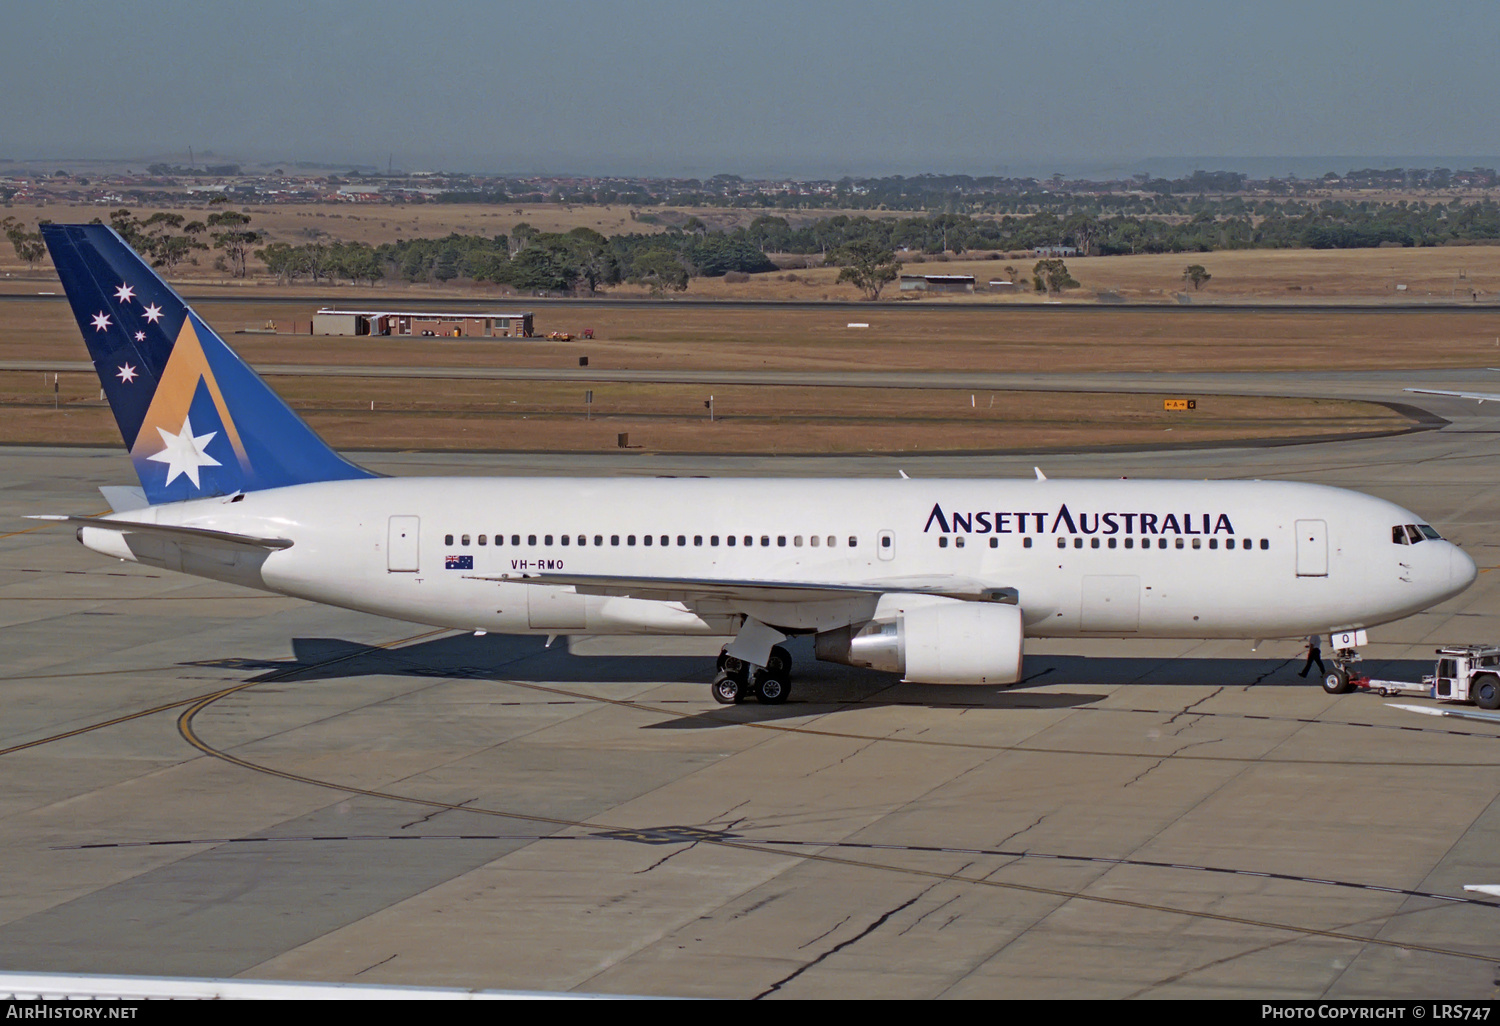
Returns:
point(168, 531)
point(671, 588)
point(123, 498)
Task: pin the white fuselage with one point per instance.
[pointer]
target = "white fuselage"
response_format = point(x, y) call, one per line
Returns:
point(1099, 558)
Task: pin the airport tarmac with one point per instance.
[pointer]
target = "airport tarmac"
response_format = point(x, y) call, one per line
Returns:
point(197, 780)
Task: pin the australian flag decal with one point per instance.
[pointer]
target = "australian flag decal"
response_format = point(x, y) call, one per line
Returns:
point(458, 563)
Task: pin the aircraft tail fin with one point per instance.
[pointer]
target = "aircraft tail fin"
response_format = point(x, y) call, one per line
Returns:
point(196, 419)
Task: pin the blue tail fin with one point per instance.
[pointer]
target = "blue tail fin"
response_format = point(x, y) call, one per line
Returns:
point(196, 419)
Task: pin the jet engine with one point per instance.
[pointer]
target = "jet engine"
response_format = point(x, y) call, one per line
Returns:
point(940, 641)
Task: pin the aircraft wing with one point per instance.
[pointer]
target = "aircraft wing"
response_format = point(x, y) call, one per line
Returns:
point(697, 588)
point(1462, 714)
point(168, 531)
point(1481, 396)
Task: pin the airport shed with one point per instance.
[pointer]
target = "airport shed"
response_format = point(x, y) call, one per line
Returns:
point(937, 283)
point(428, 323)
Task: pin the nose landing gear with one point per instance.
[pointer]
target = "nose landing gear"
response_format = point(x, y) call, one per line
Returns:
point(738, 680)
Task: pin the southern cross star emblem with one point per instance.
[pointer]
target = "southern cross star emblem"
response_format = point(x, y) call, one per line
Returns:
point(184, 452)
point(127, 374)
point(124, 293)
point(101, 321)
point(140, 336)
point(153, 313)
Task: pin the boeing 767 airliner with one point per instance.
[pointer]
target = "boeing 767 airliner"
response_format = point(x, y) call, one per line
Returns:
point(937, 580)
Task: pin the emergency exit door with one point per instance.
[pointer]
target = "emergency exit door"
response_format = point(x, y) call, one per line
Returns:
point(1312, 548)
point(401, 550)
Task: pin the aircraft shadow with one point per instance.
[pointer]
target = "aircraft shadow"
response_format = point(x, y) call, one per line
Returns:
point(816, 686)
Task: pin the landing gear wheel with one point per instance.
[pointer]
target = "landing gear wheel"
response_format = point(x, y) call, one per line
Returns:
point(723, 658)
point(771, 689)
point(779, 663)
point(1337, 682)
point(727, 689)
point(1485, 691)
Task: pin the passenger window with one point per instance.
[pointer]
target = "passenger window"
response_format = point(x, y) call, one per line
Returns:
point(547, 540)
point(729, 541)
point(515, 539)
point(713, 539)
point(531, 539)
point(464, 541)
point(832, 542)
point(1129, 543)
point(1026, 544)
point(943, 542)
point(797, 542)
point(599, 539)
point(1078, 543)
point(682, 540)
point(1062, 543)
point(697, 539)
point(1197, 543)
point(1161, 543)
point(853, 542)
point(1229, 543)
point(958, 542)
point(781, 541)
point(1213, 543)
point(482, 539)
point(885, 542)
point(765, 541)
point(583, 539)
point(995, 542)
point(1093, 543)
point(1112, 543)
point(614, 539)
point(665, 540)
point(630, 539)
point(646, 540)
point(1179, 543)
point(447, 539)
point(1265, 543)
point(813, 541)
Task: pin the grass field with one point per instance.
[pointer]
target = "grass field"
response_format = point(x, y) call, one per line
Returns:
point(551, 416)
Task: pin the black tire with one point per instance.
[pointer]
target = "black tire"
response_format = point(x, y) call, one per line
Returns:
point(1336, 682)
point(1484, 690)
point(727, 690)
point(772, 689)
point(779, 663)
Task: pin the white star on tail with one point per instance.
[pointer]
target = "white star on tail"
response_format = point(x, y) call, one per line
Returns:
point(140, 336)
point(153, 313)
point(127, 374)
point(101, 321)
point(184, 453)
point(124, 293)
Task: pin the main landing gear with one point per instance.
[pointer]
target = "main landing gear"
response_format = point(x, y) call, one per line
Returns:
point(738, 680)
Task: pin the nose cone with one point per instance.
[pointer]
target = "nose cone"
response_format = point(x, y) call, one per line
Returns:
point(1461, 569)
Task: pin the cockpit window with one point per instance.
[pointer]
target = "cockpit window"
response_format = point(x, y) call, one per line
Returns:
point(1413, 533)
point(1428, 532)
point(1398, 535)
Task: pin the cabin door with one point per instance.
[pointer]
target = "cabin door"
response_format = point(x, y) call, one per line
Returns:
point(1312, 548)
point(401, 544)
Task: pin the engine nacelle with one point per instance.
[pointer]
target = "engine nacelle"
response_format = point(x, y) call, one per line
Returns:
point(942, 641)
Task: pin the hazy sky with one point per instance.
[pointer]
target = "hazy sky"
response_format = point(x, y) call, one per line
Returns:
point(694, 87)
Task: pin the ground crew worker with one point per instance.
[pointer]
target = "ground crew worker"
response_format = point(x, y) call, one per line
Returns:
point(1314, 654)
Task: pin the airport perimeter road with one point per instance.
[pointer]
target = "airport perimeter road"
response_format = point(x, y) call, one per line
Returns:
point(202, 781)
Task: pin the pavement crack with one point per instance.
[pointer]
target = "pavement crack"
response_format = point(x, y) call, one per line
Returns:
point(877, 924)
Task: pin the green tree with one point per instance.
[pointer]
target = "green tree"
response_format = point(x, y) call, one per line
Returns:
point(28, 245)
point(869, 266)
point(1052, 276)
point(1197, 274)
point(234, 238)
point(659, 269)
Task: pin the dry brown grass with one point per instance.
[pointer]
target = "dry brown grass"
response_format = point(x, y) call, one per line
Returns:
point(550, 416)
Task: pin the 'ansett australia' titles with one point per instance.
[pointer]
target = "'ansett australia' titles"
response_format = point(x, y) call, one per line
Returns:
point(1064, 521)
